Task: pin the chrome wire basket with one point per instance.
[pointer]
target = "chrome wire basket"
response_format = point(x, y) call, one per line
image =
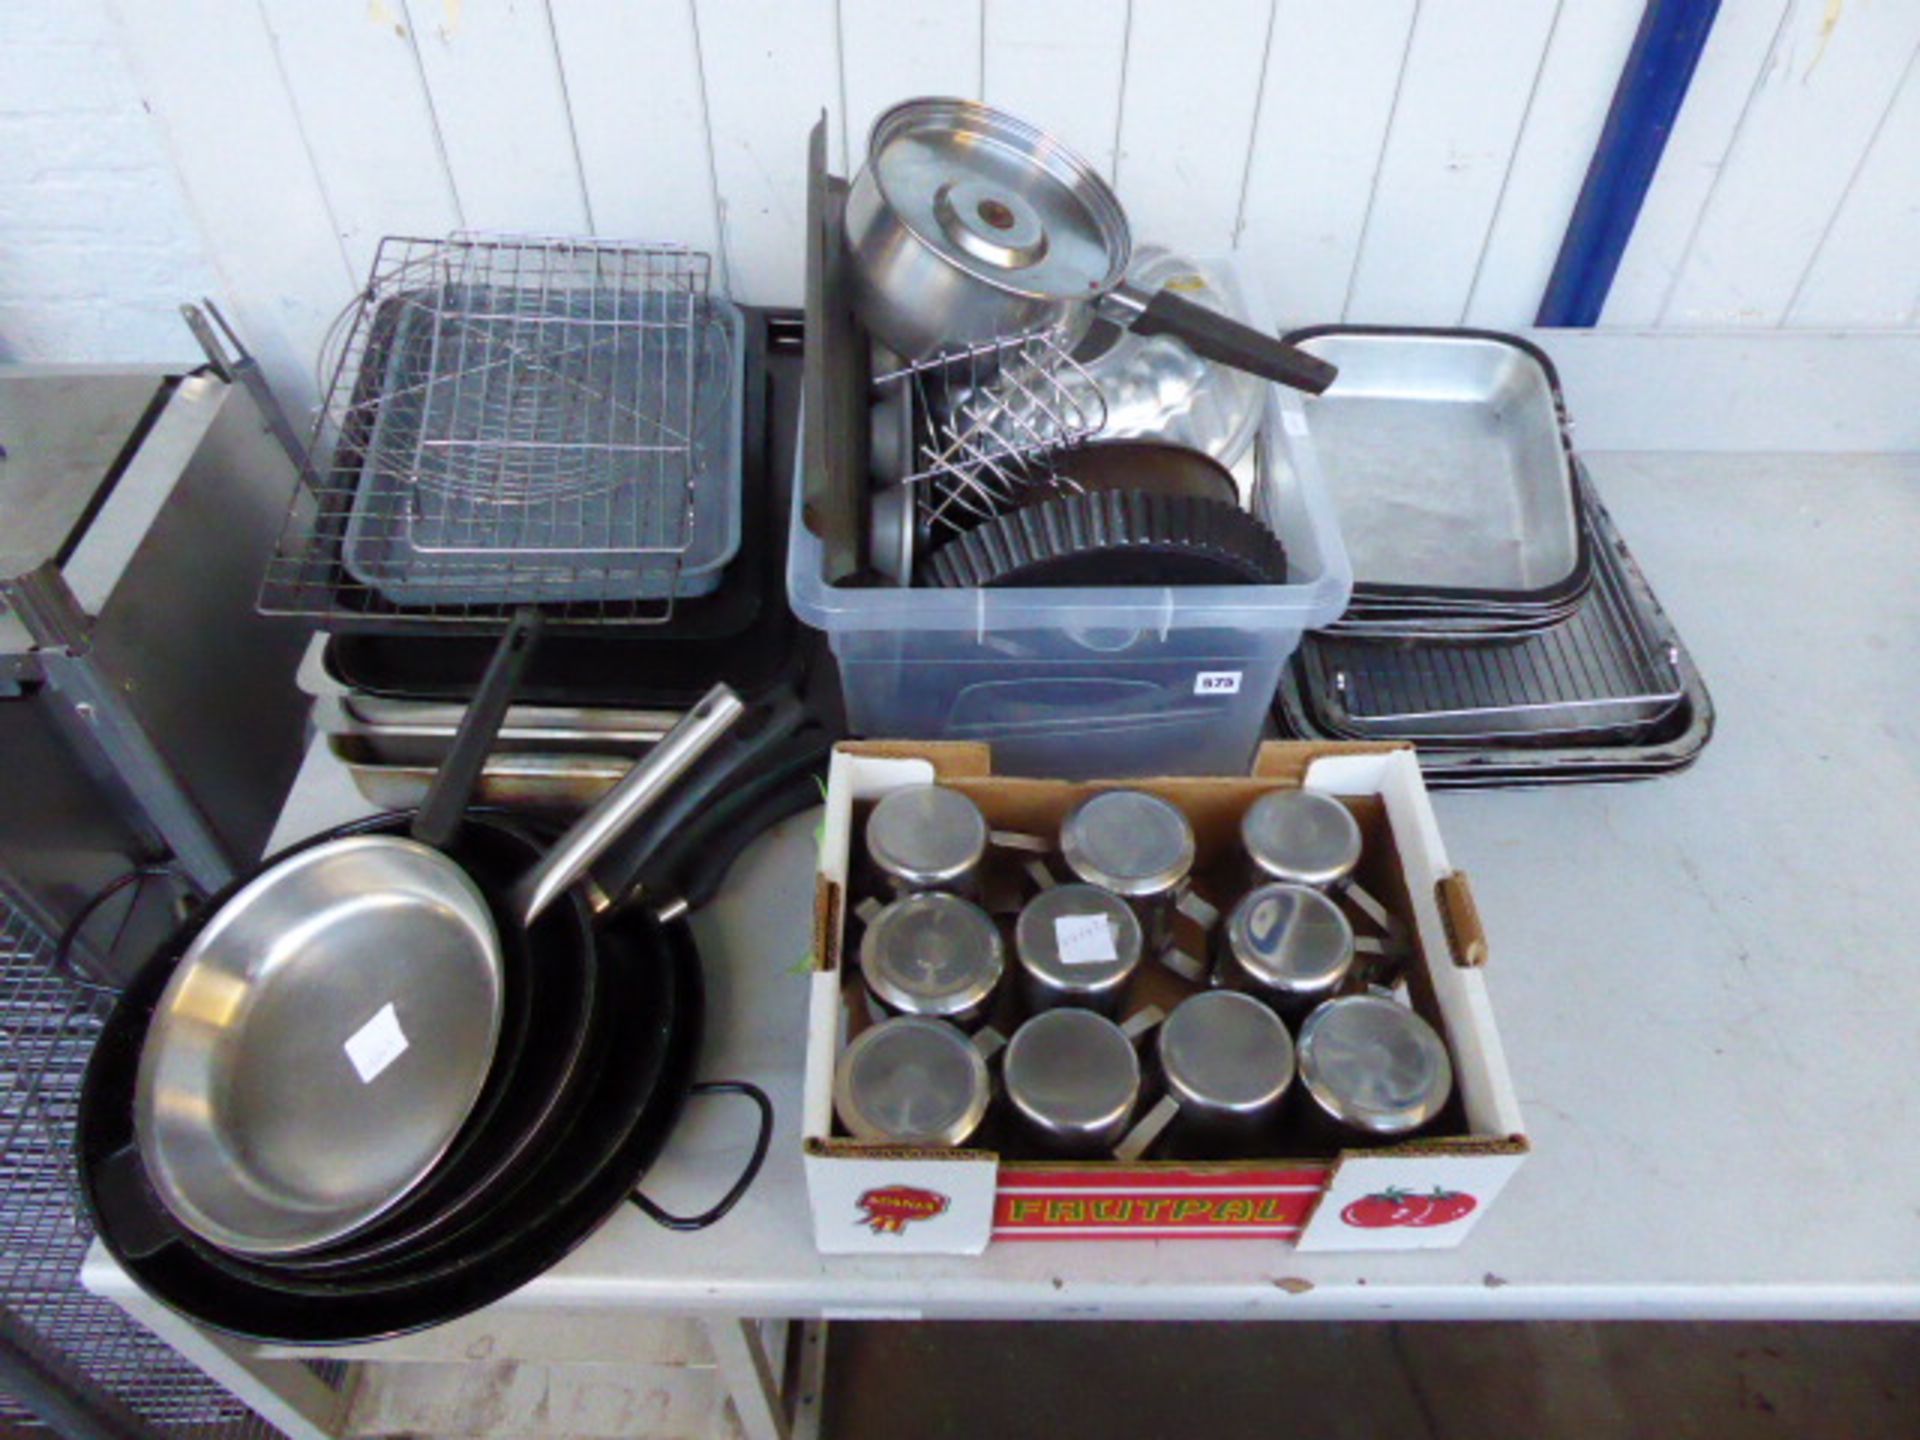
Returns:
point(972, 429)
point(519, 420)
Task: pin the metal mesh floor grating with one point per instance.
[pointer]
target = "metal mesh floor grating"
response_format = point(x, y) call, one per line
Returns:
point(48, 1024)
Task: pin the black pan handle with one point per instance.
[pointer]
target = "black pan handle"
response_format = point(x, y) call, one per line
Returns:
point(732, 761)
point(762, 1142)
point(1209, 333)
point(129, 1208)
point(695, 865)
point(438, 819)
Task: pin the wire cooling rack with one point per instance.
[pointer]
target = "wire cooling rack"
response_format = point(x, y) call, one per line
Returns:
point(513, 420)
point(976, 427)
point(48, 1025)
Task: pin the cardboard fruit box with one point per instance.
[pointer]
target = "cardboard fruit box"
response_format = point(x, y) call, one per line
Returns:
point(1426, 1194)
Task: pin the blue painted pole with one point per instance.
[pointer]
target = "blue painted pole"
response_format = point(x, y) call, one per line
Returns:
point(1653, 83)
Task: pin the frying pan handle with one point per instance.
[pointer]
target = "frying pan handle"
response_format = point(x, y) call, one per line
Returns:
point(438, 819)
point(763, 1140)
point(1209, 333)
point(651, 852)
point(129, 1208)
point(694, 864)
point(638, 791)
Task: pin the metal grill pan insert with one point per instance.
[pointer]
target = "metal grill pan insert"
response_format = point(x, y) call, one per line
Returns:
point(1600, 671)
point(522, 420)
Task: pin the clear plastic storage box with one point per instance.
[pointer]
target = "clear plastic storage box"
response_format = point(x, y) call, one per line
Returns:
point(1075, 683)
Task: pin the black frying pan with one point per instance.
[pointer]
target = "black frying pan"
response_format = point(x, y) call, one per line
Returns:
point(669, 856)
point(617, 1135)
point(531, 1225)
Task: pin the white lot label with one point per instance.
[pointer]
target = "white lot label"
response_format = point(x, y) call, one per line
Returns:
point(1084, 939)
point(1217, 682)
point(376, 1044)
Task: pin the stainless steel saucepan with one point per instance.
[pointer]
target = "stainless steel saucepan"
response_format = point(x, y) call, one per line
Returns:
point(326, 1034)
point(966, 225)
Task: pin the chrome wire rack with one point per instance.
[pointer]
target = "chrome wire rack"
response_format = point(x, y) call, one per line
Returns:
point(511, 420)
point(48, 1025)
point(976, 427)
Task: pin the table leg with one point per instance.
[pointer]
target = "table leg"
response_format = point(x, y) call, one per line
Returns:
point(288, 1395)
point(752, 1377)
point(810, 1380)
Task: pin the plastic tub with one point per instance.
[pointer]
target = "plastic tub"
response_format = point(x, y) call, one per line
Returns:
point(1076, 683)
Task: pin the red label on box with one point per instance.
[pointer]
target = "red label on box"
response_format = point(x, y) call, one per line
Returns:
point(1117, 1202)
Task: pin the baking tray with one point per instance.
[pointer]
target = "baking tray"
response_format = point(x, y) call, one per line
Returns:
point(548, 783)
point(420, 543)
point(407, 732)
point(1661, 747)
point(1602, 672)
point(1446, 455)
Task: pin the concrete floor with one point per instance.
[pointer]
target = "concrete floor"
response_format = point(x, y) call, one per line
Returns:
point(1443, 1381)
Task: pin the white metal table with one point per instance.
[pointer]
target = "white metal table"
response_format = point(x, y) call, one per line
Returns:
point(1705, 986)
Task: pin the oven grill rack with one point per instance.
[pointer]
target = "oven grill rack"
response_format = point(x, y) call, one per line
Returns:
point(509, 420)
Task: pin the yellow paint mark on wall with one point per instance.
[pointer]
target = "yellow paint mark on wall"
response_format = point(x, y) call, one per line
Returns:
point(1828, 23)
point(450, 18)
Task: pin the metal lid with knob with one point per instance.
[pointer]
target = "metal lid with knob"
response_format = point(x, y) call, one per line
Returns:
point(925, 836)
point(933, 954)
point(1129, 842)
point(1073, 1078)
point(1226, 1054)
point(1373, 1066)
point(1301, 836)
point(1286, 943)
point(1078, 943)
point(909, 1081)
point(994, 197)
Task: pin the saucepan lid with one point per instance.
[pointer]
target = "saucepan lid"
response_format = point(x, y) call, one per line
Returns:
point(1000, 199)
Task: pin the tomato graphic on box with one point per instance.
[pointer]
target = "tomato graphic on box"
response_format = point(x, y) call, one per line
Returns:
point(1393, 1207)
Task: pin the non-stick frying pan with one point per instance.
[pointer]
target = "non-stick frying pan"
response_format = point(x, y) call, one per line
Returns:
point(330, 1027)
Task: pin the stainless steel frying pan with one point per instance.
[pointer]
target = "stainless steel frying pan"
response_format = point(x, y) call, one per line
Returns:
point(324, 1037)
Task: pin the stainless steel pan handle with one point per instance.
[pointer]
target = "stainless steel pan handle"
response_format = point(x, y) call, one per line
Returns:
point(718, 712)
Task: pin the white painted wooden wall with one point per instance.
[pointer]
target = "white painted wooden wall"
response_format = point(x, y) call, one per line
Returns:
point(1790, 190)
point(1388, 160)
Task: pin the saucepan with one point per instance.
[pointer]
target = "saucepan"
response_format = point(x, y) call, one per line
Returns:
point(966, 225)
point(325, 1036)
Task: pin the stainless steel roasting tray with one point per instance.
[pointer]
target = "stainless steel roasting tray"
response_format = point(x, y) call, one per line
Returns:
point(1447, 456)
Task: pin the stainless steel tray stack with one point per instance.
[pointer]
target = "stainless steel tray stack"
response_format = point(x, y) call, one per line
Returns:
point(519, 420)
point(1589, 688)
point(1447, 455)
